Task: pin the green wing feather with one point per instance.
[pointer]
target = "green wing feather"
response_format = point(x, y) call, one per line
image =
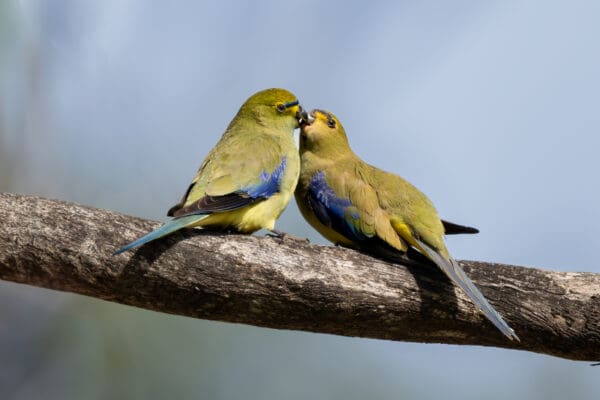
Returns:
point(224, 173)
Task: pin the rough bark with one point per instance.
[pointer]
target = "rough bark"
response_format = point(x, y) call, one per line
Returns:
point(290, 283)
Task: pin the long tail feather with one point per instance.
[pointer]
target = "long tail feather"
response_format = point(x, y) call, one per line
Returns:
point(169, 227)
point(458, 276)
point(451, 228)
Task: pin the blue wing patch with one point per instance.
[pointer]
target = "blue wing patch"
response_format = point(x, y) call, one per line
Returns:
point(333, 211)
point(269, 183)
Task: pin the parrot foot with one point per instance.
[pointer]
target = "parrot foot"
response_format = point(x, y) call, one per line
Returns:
point(277, 234)
point(283, 236)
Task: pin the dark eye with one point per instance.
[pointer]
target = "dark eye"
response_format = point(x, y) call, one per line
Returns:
point(280, 107)
point(330, 122)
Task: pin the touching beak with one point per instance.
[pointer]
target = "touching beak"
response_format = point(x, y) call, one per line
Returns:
point(306, 118)
point(300, 115)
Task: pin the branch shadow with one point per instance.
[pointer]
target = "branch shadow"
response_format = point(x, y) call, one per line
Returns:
point(430, 280)
point(144, 256)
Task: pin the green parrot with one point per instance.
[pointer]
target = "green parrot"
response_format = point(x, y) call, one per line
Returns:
point(248, 178)
point(356, 205)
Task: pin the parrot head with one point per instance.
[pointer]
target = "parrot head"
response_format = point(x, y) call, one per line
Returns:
point(273, 107)
point(322, 130)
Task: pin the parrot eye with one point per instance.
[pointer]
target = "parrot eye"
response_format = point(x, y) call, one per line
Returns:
point(280, 107)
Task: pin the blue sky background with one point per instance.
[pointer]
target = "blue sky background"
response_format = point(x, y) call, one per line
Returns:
point(491, 108)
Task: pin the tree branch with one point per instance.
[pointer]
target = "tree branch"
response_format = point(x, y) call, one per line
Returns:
point(291, 284)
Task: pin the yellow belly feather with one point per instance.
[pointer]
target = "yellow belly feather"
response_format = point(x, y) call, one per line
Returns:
point(261, 215)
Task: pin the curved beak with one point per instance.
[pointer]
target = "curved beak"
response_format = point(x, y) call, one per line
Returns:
point(306, 118)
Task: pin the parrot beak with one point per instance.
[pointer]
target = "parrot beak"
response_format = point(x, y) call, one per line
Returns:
point(306, 118)
point(300, 115)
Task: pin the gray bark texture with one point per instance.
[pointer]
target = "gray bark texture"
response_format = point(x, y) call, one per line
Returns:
point(291, 284)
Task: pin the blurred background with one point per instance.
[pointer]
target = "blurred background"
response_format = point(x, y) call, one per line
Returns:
point(491, 108)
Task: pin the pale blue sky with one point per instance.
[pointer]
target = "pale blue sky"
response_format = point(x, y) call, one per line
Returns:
point(491, 108)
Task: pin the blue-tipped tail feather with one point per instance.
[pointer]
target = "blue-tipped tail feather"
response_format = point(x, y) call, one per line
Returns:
point(458, 276)
point(170, 227)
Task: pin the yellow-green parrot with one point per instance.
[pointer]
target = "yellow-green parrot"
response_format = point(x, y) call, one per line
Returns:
point(356, 205)
point(248, 178)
